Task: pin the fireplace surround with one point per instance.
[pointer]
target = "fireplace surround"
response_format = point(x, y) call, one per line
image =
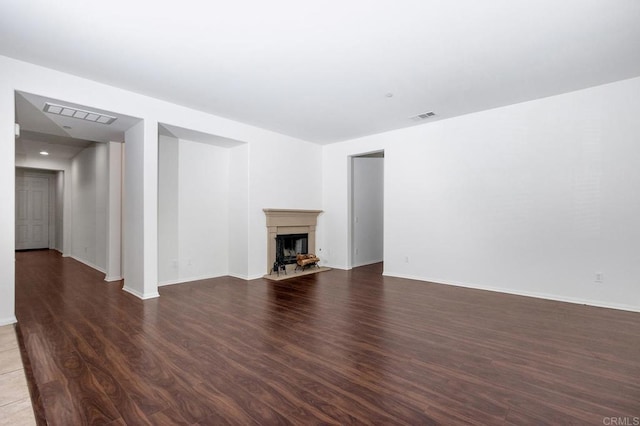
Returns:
point(289, 222)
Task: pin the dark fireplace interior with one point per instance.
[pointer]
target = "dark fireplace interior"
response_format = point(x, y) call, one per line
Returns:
point(288, 246)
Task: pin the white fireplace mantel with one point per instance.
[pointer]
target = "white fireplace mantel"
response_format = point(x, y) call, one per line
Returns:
point(289, 221)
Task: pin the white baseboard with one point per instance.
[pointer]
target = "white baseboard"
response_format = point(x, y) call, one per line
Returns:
point(189, 279)
point(89, 264)
point(240, 276)
point(367, 263)
point(8, 321)
point(251, 277)
point(139, 295)
point(546, 296)
point(111, 279)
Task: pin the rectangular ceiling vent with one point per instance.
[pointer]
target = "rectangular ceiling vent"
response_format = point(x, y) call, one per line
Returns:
point(81, 114)
point(423, 116)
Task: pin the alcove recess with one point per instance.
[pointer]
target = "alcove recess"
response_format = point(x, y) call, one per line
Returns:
point(289, 221)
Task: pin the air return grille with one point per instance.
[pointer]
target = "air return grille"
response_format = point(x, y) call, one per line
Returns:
point(81, 114)
point(423, 116)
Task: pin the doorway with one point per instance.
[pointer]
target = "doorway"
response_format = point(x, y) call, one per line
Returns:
point(35, 210)
point(79, 150)
point(367, 209)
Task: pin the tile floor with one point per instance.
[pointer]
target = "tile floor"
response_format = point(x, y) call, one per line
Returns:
point(15, 402)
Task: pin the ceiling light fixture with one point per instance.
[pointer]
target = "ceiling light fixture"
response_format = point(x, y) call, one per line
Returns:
point(44, 153)
point(66, 111)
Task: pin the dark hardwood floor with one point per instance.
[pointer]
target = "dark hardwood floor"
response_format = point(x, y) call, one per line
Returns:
point(339, 347)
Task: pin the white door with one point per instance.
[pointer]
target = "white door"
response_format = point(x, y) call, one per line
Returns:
point(32, 212)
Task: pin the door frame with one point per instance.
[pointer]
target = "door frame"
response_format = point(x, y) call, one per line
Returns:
point(51, 177)
point(351, 210)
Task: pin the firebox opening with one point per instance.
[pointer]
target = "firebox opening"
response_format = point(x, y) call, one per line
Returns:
point(288, 246)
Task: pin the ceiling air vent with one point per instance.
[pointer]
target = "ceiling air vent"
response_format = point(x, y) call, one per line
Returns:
point(81, 114)
point(423, 116)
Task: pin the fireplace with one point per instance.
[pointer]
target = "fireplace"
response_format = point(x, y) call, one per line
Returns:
point(290, 245)
point(288, 225)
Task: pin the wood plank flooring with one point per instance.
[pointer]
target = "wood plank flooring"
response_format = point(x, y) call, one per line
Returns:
point(339, 347)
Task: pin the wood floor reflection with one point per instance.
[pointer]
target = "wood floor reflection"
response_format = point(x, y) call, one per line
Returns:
point(340, 347)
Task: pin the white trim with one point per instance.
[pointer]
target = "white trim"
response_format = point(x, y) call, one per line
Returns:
point(139, 295)
point(240, 276)
point(49, 175)
point(537, 295)
point(367, 263)
point(89, 264)
point(111, 279)
point(189, 279)
point(341, 267)
point(8, 321)
point(250, 277)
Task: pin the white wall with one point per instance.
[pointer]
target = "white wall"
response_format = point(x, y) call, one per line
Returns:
point(367, 210)
point(534, 198)
point(7, 208)
point(239, 211)
point(194, 211)
point(59, 183)
point(204, 210)
point(140, 210)
point(114, 212)
point(89, 177)
point(168, 217)
point(286, 175)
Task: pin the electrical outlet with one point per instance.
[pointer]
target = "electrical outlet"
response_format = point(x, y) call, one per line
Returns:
point(357, 251)
point(406, 259)
point(599, 278)
point(174, 263)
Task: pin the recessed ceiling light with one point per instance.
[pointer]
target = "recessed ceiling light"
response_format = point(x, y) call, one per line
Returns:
point(44, 153)
point(80, 114)
point(389, 95)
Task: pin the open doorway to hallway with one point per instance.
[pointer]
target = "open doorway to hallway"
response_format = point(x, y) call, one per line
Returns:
point(367, 209)
point(69, 180)
point(38, 216)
